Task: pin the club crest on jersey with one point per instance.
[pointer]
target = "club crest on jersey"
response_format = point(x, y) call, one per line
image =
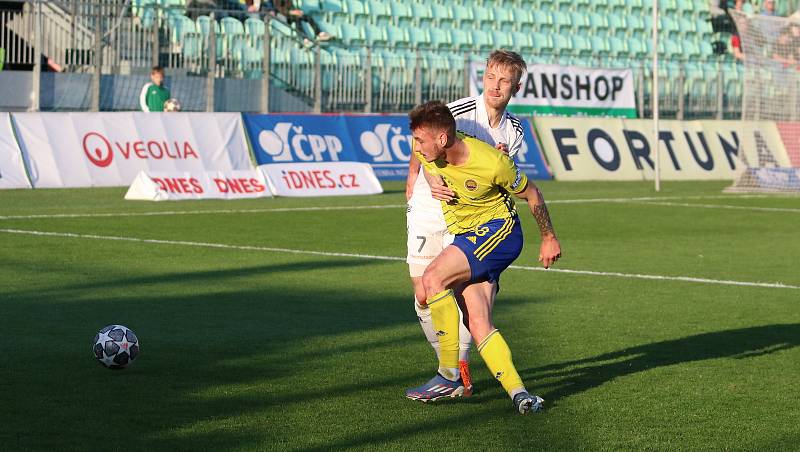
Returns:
point(471, 184)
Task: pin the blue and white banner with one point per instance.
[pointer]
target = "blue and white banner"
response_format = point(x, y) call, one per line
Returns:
point(382, 141)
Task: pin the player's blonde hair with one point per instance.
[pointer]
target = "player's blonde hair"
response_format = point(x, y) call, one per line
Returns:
point(507, 59)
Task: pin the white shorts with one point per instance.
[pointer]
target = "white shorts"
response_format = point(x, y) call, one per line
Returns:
point(427, 237)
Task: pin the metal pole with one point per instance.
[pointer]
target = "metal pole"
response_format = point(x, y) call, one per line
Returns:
point(466, 74)
point(265, 64)
point(720, 98)
point(211, 47)
point(655, 98)
point(368, 83)
point(317, 79)
point(641, 90)
point(37, 57)
point(156, 50)
point(681, 93)
point(98, 60)
point(418, 80)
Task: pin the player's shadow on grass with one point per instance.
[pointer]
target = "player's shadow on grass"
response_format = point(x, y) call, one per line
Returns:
point(557, 381)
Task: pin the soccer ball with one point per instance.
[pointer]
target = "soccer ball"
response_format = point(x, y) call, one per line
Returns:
point(172, 105)
point(116, 346)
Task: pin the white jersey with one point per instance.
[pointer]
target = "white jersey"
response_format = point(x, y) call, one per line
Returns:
point(472, 119)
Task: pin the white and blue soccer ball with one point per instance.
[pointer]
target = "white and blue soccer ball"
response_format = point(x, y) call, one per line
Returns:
point(116, 346)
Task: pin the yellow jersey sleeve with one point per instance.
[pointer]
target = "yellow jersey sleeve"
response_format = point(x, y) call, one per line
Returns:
point(509, 176)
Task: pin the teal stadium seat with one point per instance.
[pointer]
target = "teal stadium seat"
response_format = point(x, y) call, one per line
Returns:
point(504, 20)
point(460, 40)
point(375, 36)
point(403, 15)
point(580, 22)
point(636, 7)
point(618, 26)
point(484, 18)
point(204, 24)
point(351, 35)
point(440, 39)
point(503, 39)
point(598, 23)
point(254, 29)
point(523, 42)
point(599, 45)
point(482, 41)
point(538, 20)
point(542, 43)
point(379, 12)
point(618, 47)
point(420, 14)
point(419, 38)
point(333, 11)
point(443, 15)
point(179, 26)
point(561, 20)
point(462, 17)
point(397, 36)
point(357, 11)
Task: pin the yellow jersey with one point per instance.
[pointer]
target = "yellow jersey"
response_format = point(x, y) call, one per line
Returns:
point(482, 186)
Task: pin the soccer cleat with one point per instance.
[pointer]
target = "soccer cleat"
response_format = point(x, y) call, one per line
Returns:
point(526, 403)
point(438, 387)
point(463, 368)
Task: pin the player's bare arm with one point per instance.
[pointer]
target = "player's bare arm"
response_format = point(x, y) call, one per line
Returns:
point(413, 172)
point(550, 249)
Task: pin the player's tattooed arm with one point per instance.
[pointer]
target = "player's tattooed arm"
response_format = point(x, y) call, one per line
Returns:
point(542, 217)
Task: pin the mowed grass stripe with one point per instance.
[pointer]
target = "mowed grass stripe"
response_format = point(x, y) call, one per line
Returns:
point(774, 285)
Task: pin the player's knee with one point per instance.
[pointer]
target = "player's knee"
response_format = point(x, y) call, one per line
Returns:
point(480, 326)
point(432, 282)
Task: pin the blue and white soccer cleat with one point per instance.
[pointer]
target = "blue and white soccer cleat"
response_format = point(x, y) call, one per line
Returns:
point(526, 403)
point(438, 387)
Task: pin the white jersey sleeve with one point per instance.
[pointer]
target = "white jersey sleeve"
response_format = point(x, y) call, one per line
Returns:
point(472, 119)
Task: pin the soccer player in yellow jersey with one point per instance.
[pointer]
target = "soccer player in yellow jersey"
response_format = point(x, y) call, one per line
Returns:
point(479, 211)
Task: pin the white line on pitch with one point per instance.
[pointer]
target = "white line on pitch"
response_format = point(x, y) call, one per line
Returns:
point(333, 208)
point(197, 212)
point(720, 206)
point(776, 285)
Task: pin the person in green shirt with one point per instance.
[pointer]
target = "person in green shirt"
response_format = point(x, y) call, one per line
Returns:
point(154, 94)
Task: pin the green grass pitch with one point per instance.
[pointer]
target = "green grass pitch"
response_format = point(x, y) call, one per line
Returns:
point(254, 347)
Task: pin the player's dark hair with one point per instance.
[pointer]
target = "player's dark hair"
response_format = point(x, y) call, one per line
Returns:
point(155, 69)
point(434, 114)
point(508, 59)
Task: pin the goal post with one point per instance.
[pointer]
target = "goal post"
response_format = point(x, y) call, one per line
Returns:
point(770, 107)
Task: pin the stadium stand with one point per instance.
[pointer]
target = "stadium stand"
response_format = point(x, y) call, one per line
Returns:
point(612, 33)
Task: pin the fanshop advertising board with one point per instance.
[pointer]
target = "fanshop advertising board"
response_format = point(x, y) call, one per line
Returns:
point(382, 141)
point(549, 89)
point(110, 149)
point(616, 149)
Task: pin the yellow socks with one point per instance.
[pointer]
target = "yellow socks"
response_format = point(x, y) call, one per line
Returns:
point(444, 313)
point(497, 356)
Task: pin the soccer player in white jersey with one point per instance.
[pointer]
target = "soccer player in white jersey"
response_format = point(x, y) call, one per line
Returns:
point(484, 117)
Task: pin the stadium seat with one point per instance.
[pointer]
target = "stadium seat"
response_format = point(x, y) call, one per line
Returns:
point(599, 24)
point(618, 47)
point(580, 22)
point(523, 42)
point(397, 36)
point(484, 18)
point(352, 35)
point(600, 45)
point(542, 20)
point(618, 26)
point(375, 35)
point(419, 37)
point(179, 26)
point(443, 16)
point(581, 47)
point(461, 40)
point(562, 21)
point(357, 12)
point(542, 43)
point(635, 7)
point(333, 11)
point(422, 14)
point(440, 39)
point(309, 6)
point(379, 12)
point(503, 39)
point(504, 19)
point(204, 24)
point(404, 17)
point(482, 40)
point(254, 29)
point(462, 17)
